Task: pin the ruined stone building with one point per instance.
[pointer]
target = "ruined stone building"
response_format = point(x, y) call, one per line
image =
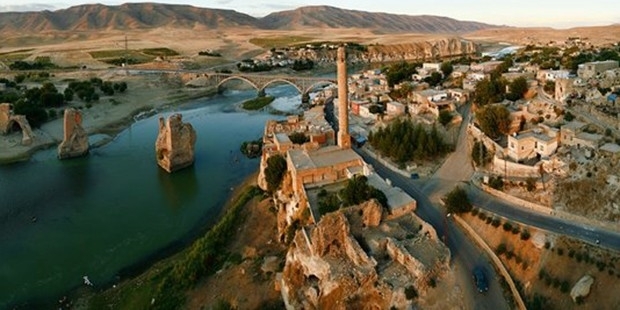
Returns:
point(10, 122)
point(174, 147)
point(591, 69)
point(357, 258)
point(75, 138)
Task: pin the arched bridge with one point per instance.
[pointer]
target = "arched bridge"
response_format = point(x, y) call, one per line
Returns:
point(303, 84)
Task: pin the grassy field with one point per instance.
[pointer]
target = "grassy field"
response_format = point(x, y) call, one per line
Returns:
point(14, 57)
point(257, 103)
point(280, 41)
point(160, 51)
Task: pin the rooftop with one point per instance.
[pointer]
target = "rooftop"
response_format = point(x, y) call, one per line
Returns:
point(574, 125)
point(396, 197)
point(611, 148)
point(324, 157)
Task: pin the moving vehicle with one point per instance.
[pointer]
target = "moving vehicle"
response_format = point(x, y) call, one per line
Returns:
point(480, 279)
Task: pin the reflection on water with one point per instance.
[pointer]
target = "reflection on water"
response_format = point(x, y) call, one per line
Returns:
point(116, 208)
point(179, 188)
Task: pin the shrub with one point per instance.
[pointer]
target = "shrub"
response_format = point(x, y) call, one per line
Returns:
point(516, 230)
point(547, 245)
point(509, 255)
point(457, 201)
point(474, 211)
point(489, 220)
point(571, 253)
point(525, 235)
point(565, 287)
point(497, 183)
point(560, 251)
point(274, 172)
point(501, 249)
point(507, 226)
point(410, 292)
point(496, 222)
point(530, 184)
point(578, 257)
point(482, 216)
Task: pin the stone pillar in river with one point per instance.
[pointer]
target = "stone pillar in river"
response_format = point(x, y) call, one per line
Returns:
point(174, 147)
point(75, 139)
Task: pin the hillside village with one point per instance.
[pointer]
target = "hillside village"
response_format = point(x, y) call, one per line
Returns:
point(560, 132)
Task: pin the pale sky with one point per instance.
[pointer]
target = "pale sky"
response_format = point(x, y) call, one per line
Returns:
point(533, 13)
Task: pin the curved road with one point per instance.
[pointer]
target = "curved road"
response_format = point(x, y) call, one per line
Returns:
point(457, 170)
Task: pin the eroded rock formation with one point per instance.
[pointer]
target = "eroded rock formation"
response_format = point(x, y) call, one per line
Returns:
point(175, 143)
point(8, 121)
point(357, 259)
point(75, 139)
point(582, 288)
point(429, 49)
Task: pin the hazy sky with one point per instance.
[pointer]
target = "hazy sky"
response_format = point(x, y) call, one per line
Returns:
point(553, 13)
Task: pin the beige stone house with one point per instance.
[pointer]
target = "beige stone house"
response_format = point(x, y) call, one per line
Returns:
point(532, 144)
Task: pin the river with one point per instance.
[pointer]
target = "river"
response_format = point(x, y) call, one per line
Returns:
point(114, 210)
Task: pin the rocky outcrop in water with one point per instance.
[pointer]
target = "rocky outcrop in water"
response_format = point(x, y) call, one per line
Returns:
point(75, 139)
point(175, 143)
point(8, 121)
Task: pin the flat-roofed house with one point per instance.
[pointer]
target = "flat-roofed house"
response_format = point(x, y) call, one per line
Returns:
point(531, 144)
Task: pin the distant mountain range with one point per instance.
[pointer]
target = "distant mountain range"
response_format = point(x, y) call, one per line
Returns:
point(134, 16)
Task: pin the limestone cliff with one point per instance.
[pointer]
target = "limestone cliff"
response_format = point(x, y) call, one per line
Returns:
point(357, 259)
point(75, 139)
point(429, 49)
point(175, 143)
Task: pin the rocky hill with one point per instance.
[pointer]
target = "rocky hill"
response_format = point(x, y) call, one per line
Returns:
point(130, 16)
point(331, 17)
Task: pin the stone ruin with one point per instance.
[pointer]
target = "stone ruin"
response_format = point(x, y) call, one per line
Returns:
point(358, 258)
point(8, 121)
point(175, 143)
point(75, 139)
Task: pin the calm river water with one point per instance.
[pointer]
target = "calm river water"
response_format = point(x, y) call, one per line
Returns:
point(98, 215)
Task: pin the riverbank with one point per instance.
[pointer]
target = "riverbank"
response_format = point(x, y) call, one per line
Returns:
point(164, 282)
point(146, 94)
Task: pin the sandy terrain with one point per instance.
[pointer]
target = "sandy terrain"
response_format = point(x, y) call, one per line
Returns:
point(532, 256)
point(245, 285)
point(143, 94)
point(522, 36)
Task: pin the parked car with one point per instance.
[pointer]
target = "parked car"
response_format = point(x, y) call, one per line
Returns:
point(480, 280)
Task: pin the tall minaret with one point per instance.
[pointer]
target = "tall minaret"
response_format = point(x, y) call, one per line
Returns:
point(344, 140)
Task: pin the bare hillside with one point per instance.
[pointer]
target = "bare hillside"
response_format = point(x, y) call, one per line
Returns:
point(134, 16)
point(331, 17)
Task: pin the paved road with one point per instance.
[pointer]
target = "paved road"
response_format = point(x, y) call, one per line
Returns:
point(465, 255)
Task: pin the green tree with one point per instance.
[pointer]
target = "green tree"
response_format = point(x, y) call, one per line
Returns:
point(457, 201)
point(445, 117)
point(298, 138)
point(446, 68)
point(274, 172)
point(518, 88)
point(33, 111)
point(68, 94)
point(494, 120)
point(399, 72)
point(489, 90)
point(434, 79)
point(549, 87)
point(358, 191)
